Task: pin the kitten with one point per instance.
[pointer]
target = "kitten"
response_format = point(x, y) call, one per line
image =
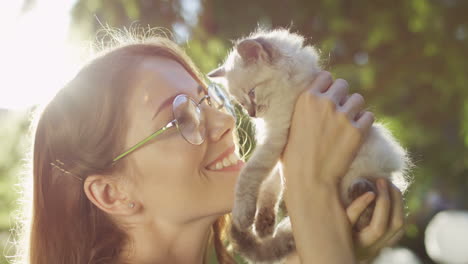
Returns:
point(265, 73)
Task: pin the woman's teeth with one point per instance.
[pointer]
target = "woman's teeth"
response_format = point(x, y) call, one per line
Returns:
point(226, 162)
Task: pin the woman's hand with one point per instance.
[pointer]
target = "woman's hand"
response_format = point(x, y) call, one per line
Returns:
point(326, 131)
point(386, 226)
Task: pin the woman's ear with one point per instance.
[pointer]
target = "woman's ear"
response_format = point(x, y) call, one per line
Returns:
point(108, 195)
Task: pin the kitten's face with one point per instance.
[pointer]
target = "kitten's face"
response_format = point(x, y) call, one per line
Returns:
point(248, 71)
point(268, 69)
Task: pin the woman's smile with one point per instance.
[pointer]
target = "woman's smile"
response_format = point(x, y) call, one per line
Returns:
point(226, 161)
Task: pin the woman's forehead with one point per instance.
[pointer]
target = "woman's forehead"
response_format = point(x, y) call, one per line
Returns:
point(161, 78)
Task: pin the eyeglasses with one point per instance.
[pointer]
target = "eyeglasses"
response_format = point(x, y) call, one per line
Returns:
point(188, 117)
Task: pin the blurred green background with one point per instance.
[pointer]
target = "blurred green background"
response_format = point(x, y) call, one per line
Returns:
point(409, 58)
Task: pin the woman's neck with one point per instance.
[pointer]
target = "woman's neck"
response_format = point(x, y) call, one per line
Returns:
point(160, 242)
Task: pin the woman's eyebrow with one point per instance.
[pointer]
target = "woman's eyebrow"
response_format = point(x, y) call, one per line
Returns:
point(169, 101)
point(164, 104)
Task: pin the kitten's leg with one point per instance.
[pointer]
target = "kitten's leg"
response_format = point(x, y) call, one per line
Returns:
point(358, 188)
point(269, 197)
point(248, 185)
point(267, 250)
point(260, 165)
point(284, 239)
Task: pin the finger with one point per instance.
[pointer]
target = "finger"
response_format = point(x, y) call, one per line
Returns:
point(398, 216)
point(322, 82)
point(338, 91)
point(353, 105)
point(344, 100)
point(395, 231)
point(379, 222)
point(396, 237)
point(364, 121)
point(388, 241)
point(356, 208)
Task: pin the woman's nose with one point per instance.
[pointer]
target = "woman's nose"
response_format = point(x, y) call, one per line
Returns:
point(218, 124)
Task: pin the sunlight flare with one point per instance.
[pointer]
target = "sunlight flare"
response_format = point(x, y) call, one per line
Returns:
point(36, 59)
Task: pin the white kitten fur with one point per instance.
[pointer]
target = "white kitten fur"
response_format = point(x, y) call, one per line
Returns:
point(278, 66)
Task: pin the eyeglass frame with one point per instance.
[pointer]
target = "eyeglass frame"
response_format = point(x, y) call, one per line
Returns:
point(171, 124)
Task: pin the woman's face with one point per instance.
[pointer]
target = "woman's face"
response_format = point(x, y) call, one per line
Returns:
point(172, 179)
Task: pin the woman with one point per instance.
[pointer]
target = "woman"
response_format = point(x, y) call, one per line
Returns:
point(116, 181)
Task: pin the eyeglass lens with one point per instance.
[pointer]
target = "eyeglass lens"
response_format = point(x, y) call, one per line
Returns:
point(190, 119)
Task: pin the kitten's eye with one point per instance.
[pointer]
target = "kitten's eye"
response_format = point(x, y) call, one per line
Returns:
point(252, 93)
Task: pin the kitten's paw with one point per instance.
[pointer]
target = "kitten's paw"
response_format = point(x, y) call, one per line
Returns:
point(243, 216)
point(284, 233)
point(358, 188)
point(265, 221)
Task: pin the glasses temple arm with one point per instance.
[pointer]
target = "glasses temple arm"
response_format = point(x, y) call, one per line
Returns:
point(139, 144)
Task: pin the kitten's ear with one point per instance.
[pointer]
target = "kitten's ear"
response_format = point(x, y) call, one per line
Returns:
point(252, 50)
point(219, 72)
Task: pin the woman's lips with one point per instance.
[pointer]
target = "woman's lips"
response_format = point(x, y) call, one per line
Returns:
point(226, 153)
point(226, 161)
point(237, 167)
